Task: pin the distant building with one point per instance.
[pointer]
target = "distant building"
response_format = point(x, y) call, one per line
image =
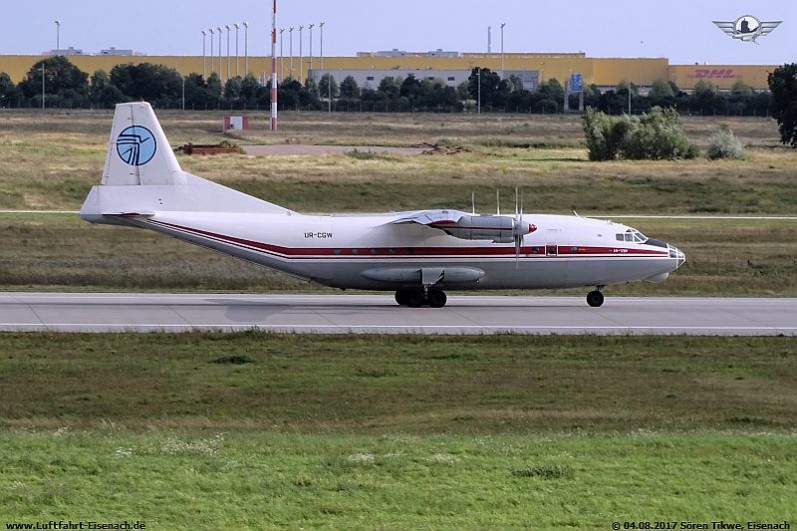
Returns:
point(395, 52)
point(71, 51)
point(67, 51)
point(441, 53)
point(115, 52)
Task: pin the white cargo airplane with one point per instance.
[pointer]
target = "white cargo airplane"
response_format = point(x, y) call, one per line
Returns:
point(417, 254)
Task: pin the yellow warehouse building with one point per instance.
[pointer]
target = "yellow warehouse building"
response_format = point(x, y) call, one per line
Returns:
point(603, 72)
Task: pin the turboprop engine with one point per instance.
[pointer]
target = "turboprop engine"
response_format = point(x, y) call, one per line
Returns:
point(499, 229)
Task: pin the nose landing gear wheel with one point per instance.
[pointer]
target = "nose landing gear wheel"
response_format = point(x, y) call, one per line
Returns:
point(595, 298)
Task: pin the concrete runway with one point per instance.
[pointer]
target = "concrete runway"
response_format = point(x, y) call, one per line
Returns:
point(75, 312)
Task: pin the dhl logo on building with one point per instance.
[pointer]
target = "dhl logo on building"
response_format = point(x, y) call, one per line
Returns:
point(714, 73)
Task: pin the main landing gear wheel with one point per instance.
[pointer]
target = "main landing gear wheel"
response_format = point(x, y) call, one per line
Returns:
point(414, 298)
point(437, 298)
point(595, 298)
point(402, 297)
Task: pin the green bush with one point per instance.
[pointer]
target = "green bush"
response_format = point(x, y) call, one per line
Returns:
point(603, 134)
point(723, 144)
point(655, 135)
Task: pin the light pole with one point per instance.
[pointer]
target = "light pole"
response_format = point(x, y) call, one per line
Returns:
point(629, 92)
point(204, 65)
point(479, 91)
point(629, 98)
point(311, 49)
point(282, 57)
point(301, 55)
point(57, 38)
point(290, 49)
point(502, 48)
point(274, 88)
point(237, 62)
point(246, 48)
point(228, 51)
point(211, 49)
point(321, 25)
point(220, 32)
point(540, 76)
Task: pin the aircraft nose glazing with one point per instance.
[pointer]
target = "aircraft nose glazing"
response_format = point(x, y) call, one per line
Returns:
point(678, 254)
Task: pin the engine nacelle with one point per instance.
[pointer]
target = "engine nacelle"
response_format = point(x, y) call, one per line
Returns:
point(499, 229)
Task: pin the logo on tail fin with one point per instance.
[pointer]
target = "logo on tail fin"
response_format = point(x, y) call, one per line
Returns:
point(136, 145)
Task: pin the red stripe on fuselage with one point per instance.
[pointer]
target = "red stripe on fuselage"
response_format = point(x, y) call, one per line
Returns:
point(418, 252)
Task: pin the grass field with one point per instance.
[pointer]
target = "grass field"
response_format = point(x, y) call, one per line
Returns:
point(51, 163)
point(176, 480)
point(263, 430)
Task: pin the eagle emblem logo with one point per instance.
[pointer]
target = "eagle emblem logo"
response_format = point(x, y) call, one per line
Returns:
point(136, 145)
point(747, 28)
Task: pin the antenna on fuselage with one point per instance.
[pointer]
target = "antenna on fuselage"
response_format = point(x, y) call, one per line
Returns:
point(473, 202)
point(497, 201)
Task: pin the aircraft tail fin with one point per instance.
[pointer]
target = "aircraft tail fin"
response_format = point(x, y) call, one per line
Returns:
point(138, 152)
point(142, 175)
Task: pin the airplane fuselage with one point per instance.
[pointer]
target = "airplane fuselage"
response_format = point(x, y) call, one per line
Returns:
point(369, 252)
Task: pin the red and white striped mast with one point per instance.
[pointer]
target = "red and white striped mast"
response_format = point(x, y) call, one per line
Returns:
point(274, 68)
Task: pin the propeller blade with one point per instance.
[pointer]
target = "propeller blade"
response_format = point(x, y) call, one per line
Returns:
point(517, 250)
point(519, 232)
point(516, 200)
point(521, 206)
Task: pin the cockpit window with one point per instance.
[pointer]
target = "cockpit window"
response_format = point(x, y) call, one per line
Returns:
point(632, 235)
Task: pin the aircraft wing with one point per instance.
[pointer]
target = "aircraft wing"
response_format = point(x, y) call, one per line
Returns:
point(431, 218)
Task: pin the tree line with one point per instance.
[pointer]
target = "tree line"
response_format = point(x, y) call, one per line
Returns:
point(66, 86)
point(63, 85)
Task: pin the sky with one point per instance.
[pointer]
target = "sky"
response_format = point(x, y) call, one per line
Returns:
point(679, 30)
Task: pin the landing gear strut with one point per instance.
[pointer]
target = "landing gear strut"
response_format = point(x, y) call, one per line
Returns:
point(595, 298)
point(415, 298)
